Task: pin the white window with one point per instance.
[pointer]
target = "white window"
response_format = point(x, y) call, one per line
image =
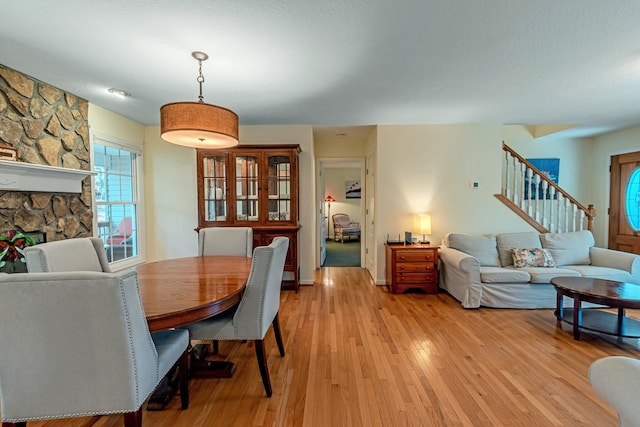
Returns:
point(117, 207)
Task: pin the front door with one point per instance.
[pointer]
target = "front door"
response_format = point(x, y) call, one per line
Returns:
point(624, 213)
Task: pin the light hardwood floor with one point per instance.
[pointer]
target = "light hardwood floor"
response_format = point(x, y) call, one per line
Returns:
point(360, 356)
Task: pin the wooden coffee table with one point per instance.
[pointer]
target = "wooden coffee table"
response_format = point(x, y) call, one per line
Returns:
point(610, 293)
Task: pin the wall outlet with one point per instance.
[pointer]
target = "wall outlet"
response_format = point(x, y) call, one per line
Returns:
point(474, 185)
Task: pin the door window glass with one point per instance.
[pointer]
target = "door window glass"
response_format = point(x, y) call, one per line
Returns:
point(632, 200)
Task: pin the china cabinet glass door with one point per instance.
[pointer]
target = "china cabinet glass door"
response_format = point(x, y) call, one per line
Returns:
point(247, 174)
point(279, 188)
point(215, 185)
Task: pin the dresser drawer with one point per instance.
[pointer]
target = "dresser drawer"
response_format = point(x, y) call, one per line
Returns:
point(416, 267)
point(416, 277)
point(415, 256)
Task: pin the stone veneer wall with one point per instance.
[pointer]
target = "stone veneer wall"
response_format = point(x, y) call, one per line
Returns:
point(47, 126)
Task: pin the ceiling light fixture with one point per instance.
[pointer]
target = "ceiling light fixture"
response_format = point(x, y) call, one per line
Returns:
point(197, 124)
point(119, 92)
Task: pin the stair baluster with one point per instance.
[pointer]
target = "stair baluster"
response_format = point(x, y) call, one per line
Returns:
point(538, 200)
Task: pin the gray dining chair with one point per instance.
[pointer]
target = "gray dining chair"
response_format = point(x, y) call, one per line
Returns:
point(233, 241)
point(617, 380)
point(257, 310)
point(79, 254)
point(77, 344)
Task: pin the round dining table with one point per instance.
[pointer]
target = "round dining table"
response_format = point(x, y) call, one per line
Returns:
point(180, 291)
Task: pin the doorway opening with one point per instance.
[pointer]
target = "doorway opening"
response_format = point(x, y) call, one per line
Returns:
point(341, 194)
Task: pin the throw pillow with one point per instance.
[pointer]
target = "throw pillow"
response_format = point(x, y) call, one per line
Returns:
point(506, 241)
point(533, 257)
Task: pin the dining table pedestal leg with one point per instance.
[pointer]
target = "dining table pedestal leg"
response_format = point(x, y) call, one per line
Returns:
point(164, 392)
point(201, 367)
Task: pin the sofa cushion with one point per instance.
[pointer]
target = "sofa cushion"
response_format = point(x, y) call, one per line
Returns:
point(482, 247)
point(532, 257)
point(544, 275)
point(571, 248)
point(601, 272)
point(506, 241)
point(503, 275)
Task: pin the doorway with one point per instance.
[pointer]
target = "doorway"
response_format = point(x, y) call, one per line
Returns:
point(624, 205)
point(339, 181)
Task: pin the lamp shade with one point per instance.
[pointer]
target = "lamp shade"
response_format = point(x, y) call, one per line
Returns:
point(424, 223)
point(198, 125)
point(329, 199)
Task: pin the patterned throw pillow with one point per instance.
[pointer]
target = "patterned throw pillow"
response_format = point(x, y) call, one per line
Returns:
point(533, 257)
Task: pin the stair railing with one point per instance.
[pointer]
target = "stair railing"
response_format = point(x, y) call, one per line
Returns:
point(539, 200)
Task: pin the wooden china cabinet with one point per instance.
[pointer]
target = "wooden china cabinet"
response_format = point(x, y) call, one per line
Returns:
point(253, 186)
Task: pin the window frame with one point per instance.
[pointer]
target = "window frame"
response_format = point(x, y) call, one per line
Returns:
point(138, 195)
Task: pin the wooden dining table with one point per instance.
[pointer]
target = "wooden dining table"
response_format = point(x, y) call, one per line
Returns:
point(180, 291)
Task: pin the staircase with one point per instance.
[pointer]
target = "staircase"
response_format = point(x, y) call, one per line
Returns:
point(534, 197)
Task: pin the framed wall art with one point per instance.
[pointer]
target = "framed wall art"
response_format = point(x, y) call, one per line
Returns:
point(353, 190)
point(549, 167)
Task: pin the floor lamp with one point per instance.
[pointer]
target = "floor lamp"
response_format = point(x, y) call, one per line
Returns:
point(328, 199)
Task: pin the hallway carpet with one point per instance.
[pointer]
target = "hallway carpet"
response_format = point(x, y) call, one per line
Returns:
point(345, 254)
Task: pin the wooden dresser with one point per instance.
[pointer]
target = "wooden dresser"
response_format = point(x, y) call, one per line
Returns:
point(411, 267)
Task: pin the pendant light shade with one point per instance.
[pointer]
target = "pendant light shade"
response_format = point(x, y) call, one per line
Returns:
point(197, 124)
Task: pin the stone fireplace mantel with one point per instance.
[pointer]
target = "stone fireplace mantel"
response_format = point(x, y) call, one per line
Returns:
point(20, 176)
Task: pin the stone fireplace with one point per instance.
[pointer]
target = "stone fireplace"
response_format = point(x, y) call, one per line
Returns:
point(47, 127)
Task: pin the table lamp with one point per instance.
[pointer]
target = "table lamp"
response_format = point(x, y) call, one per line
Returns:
point(423, 221)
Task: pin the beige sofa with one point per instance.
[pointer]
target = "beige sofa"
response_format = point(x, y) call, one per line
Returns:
point(478, 270)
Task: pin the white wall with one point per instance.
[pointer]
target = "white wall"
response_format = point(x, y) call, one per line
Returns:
point(116, 126)
point(171, 201)
point(427, 168)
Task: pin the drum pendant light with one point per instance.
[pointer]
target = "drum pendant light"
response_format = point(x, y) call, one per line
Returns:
point(198, 124)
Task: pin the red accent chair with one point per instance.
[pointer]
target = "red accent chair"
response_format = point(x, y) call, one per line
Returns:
point(125, 228)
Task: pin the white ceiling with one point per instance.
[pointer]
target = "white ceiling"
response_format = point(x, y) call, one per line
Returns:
point(337, 63)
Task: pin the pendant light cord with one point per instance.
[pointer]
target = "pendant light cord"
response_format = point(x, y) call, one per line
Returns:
point(200, 80)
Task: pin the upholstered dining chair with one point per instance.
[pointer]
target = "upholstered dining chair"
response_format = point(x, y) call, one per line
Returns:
point(79, 254)
point(233, 241)
point(100, 357)
point(617, 380)
point(257, 309)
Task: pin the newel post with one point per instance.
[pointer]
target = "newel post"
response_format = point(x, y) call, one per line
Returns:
point(592, 214)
